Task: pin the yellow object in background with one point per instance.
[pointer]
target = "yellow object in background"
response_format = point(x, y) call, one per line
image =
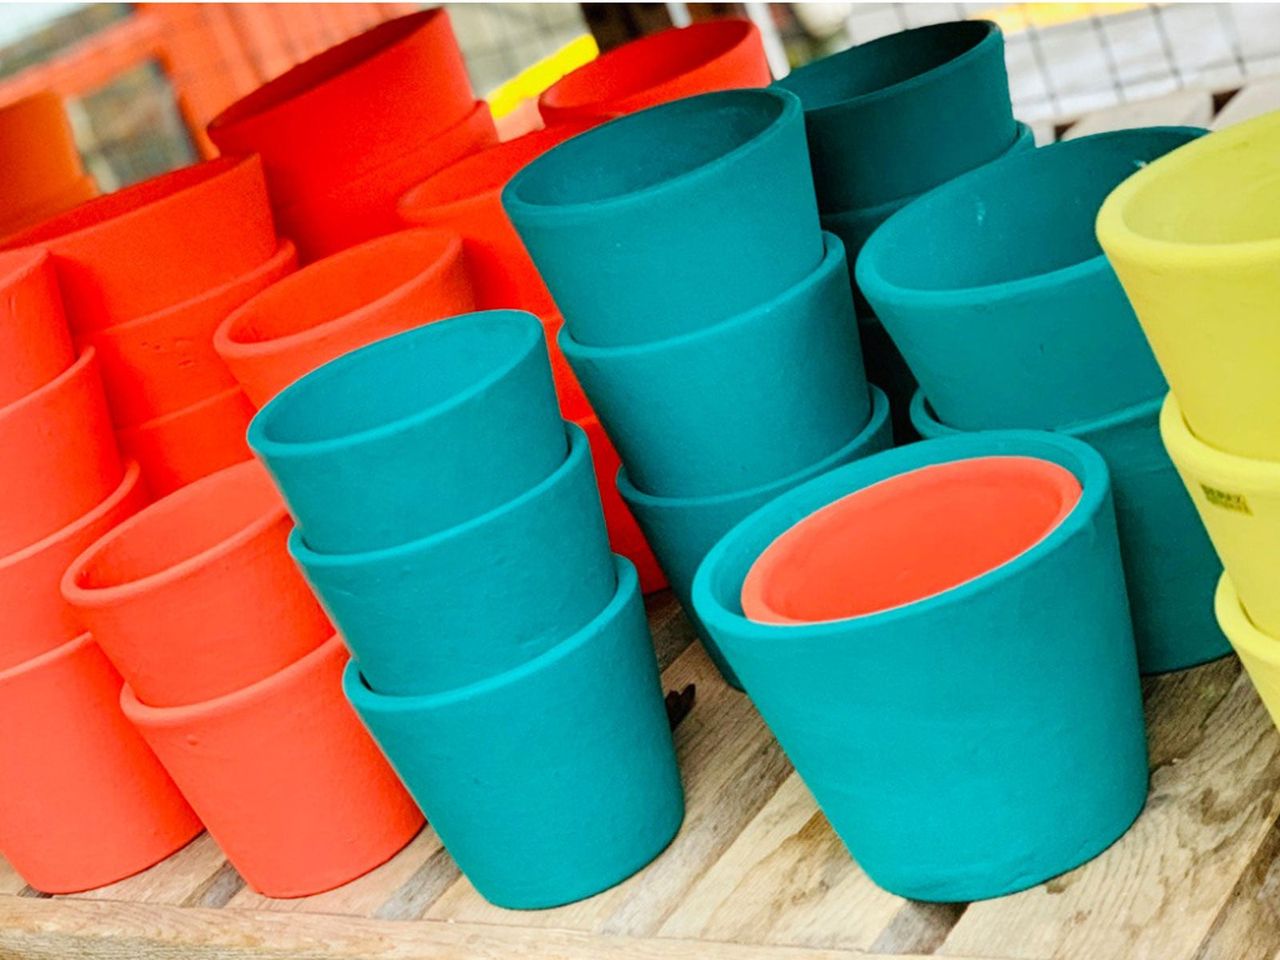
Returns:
point(1259, 653)
point(1015, 17)
point(530, 82)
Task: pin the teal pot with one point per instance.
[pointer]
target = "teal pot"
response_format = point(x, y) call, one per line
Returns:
point(421, 617)
point(1169, 563)
point(746, 402)
point(550, 782)
point(638, 243)
point(414, 434)
point(996, 291)
point(972, 743)
point(682, 530)
point(888, 371)
point(896, 116)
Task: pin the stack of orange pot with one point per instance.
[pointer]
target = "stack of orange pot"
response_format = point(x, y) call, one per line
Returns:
point(42, 170)
point(85, 801)
point(146, 275)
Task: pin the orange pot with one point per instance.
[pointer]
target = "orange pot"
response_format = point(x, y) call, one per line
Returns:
point(196, 596)
point(158, 242)
point(75, 193)
point(36, 618)
point(85, 803)
point(363, 294)
point(198, 440)
point(35, 345)
point(285, 777)
point(59, 455)
point(37, 153)
point(165, 361)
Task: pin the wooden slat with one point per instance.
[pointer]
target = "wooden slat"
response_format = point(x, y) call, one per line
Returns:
point(174, 881)
point(1252, 101)
point(1186, 107)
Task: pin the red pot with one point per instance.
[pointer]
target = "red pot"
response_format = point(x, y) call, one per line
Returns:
point(345, 301)
point(85, 802)
point(35, 344)
point(165, 361)
point(668, 65)
point(158, 242)
point(37, 154)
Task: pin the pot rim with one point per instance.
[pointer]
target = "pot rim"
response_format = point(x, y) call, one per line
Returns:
point(922, 412)
point(62, 651)
point(168, 419)
point(25, 262)
point(1243, 634)
point(87, 359)
point(1203, 458)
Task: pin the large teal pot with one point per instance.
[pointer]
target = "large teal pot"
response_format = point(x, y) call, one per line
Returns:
point(672, 218)
point(550, 782)
point(903, 113)
point(748, 401)
point(421, 617)
point(682, 529)
point(1169, 564)
point(973, 743)
point(415, 433)
point(995, 290)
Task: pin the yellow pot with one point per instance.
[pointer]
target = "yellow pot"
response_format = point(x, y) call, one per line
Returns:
point(1195, 239)
point(1259, 653)
point(1238, 500)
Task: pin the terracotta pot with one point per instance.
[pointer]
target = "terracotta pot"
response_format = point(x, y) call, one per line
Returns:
point(284, 777)
point(75, 193)
point(35, 344)
point(85, 803)
point(191, 443)
point(668, 65)
point(37, 153)
point(466, 198)
point(158, 242)
point(352, 108)
point(60, 457)
point(363, 294)
point(38, 618)
point(196, 596)
point(165, 361)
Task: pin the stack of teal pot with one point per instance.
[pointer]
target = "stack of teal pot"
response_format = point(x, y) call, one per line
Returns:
point(449, 521)
point(995, 290)
point(707, 315)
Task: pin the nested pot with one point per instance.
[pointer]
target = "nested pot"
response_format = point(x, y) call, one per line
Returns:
point(35, 343)
point(1256, 648)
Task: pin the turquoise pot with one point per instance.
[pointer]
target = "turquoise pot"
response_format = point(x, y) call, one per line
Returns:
point(641, 243)
point(422, 618)
point(748, 401)
point(682, 530)
point(550, 782)
point(972, 743)
point(414, 434)
point(1169, 564)
point(995, 290)
point(903, 113)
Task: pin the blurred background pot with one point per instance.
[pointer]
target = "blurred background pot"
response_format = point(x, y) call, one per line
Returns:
point(43, 174)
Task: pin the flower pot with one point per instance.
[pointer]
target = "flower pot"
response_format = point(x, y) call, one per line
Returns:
point(573, 402)
point(37, 152)
point(157, 243)
point(669, 65)
point(358, 447)
point(196, 596)
point(60, 458)
point(887, 370)
point(179, 448)
point(352, 108)
point(284, 777)
point(420, 617)
point(73, 194)
point(995, 289)
point(1169, 564)
point(904, 113)
point(357, 210)
point(638, 245)
point(740, 404)
point(579, 794)
point(85, 802)
point(466, 198)
point(682, 530)
point(165, 361)
point(1256, 649)
point(35, 344)
point(974, 742)
point(1186, 250)
point(379, 288)
point(37, 618)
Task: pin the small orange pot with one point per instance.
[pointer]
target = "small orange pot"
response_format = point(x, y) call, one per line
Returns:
point(77, 192)
point(36, 618)
point(59, 455)
point(360, 295)
point(198, 440)
point(85, 803)
point(37, 153)
point(285, 777)
point(165, 361)
point(35, 345)
point(158, 242)
point(196, 596)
